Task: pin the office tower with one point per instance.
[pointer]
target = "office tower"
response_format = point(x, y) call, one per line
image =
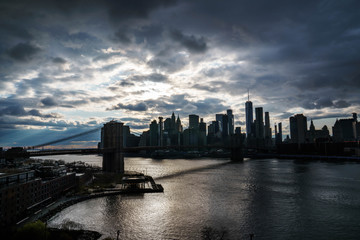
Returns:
point(231, 121)
point(280, 132)
point(345, 129)
point(278, 135)
point(193, 132)
point(161, 129)
point(173, 122)
point(113, 158)
point(202, 133)
point(154, 133)
point(214, 133)
point(144, 139)
point(225, 126)
point(249, 116)
point(126, 134)
point(178, 127)
point(168, 132)
point(275, 131)
point(193, 121)
point(298, 128)
point(219, 118)
point(238, 130)
point(211, 129)
point(167, 125)
point(259, 123)
point(267, 126)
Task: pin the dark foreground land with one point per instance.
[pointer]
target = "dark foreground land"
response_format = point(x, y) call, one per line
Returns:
point(38, 231)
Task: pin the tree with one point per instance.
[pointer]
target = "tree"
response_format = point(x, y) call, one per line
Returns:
point(35, 230)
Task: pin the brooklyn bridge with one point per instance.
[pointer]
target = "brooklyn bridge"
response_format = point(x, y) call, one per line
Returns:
point(113, 149)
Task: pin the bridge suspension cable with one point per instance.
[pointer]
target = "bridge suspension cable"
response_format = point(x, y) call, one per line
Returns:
point(67, 138)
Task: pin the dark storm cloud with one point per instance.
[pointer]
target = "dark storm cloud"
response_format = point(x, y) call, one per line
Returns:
point(126, 83)
point(15, 30)
point(138, 107)
point(187, 106)
point(323, 115)
point(128, 9)
point(23, 52)
point(105, 56)
point(59, 60)
point(19, 111)
point(205, 88)
point(6, 122)
point(135, 79)
point(153, 77)
point(341, 104)
point(170, 62)
point(285, 115)
point(49, 102)
point(122, 36)
point(15, 110)
point(322, 102)
point(137, 120)
point(110, 67)
point(192, 43)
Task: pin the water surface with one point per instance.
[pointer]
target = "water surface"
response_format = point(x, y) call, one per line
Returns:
point(274, 199)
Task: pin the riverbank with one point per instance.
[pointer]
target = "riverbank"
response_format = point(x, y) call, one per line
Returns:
point(52, 209)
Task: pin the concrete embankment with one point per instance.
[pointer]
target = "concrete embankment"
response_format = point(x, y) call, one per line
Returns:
point(52, 209)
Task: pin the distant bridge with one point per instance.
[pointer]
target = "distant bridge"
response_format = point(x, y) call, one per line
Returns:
point(113, 147)
point(124, 149)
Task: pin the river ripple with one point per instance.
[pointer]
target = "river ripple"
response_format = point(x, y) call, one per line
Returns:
point(274, 199)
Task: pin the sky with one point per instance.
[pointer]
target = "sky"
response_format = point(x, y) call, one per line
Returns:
point(70, 66)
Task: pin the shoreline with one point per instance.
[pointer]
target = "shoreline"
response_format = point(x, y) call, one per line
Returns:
point(60, 204)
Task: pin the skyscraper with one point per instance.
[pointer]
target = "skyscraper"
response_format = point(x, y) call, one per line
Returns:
point(345, 129)
point(280, 132)
point(219, 119)
point(267, 126)
point(193, 121)
point(249, 116)
point(278, 135)
point(223, 120)
point(178, 126)
point(202, 133)
point(230, 121)
point(161, 129)
point(173, 122)
point(298, 128)
point(154, 133)
point(259, 123)
point(225, 126)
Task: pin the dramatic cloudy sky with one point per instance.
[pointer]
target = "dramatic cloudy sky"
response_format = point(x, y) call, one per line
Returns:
point(69, 66)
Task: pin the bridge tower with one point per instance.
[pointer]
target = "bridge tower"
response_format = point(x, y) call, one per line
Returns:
point(113, 156)
point(236, 148)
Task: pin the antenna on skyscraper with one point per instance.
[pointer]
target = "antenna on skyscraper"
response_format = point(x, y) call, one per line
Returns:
point(248, 95)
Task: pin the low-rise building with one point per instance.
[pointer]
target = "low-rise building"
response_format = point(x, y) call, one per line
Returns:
point(22, 192)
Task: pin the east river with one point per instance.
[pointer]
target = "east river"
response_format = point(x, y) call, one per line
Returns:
point(273, 199)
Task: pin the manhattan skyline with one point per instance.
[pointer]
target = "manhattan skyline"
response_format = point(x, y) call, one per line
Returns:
point(67, 67)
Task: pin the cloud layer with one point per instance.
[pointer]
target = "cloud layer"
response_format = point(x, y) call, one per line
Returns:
point(76, 64)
